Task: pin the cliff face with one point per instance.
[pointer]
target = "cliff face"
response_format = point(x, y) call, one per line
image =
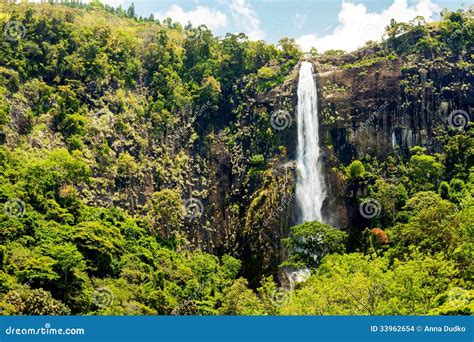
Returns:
point(369, 106)
point(384, 106)
point(379, 105)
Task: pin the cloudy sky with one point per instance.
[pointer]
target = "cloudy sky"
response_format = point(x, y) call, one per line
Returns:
point(324, 24)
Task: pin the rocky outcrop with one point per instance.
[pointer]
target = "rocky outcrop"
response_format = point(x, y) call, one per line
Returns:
point(382, 104)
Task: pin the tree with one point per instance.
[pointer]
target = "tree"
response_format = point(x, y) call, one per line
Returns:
point(167, 213)
point(71, 268)
point(425, 171)
point(100, 245)
point(455, 301)
point(458, 191)
point(131, 11)
point(25, 301)
point(355, 284)
point(391, 198)
point(432, 225)
point(311, 241)
point(356, 170)
point(240, 300)
point(289, 49)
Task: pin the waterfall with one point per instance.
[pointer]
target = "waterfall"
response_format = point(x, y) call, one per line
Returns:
point(310, 190)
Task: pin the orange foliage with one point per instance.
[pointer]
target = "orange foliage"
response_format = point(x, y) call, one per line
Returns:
point(380, 235)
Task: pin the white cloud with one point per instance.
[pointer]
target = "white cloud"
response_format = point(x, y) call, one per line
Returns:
point(356, 25)
point(213, 19)
point(246, 19)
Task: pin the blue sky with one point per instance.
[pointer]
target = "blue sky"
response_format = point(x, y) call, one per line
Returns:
point(324, 24)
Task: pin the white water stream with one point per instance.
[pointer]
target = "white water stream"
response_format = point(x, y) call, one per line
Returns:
point(310, 190)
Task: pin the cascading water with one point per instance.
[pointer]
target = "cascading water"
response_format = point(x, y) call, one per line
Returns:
point(310, 191)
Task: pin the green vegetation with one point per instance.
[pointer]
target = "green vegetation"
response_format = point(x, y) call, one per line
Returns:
point(91, 106)
point(369, 61)
point(414, 258)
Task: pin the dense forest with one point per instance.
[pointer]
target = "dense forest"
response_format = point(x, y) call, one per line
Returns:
point(148, 168)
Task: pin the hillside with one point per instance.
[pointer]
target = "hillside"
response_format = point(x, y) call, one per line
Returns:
point(149, 168)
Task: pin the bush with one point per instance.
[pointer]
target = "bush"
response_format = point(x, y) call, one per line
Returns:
point(311, 241)
point(257, 160)
point(25, 301)
point(356, 170)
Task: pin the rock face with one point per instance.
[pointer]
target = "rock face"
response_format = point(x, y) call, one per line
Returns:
point(394, 103)
point(374, 106)
point(359, 109)
point(363, 112)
